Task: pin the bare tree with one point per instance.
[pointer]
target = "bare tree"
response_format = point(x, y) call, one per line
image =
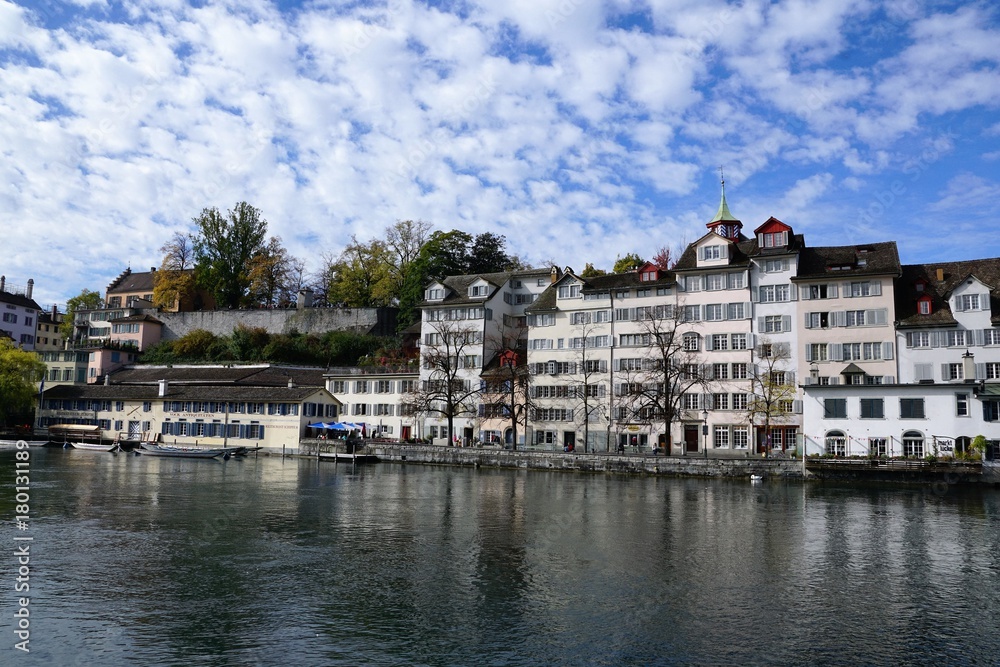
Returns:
point(175, 280)
point(506, 392)
point(449, 388)
point(589, 395)
point(772, 393)
point(664, 370)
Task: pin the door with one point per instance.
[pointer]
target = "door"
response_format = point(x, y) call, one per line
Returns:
point(569, 441)
point(133, 430)
point(691, 437)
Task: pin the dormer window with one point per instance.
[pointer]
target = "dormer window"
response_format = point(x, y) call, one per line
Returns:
point(479, 290)
point(710, 252)
point(773, 240)
point(435, 294)
point(647, 276)
point(569, 291)
point(967, 302)
point(924, 305)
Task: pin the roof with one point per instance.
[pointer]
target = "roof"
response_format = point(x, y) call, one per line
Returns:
point(180, 392)
point(19, 300)
point(740, 257)
point(867, 259)
point(136, 318)
point(458, 286)
point(132, 282)
point(953, 274)
point(546, 301)
point(261, 375)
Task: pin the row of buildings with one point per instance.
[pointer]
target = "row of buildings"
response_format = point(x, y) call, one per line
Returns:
point(753, 343)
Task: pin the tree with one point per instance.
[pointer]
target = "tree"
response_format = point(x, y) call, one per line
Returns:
point(174, 281)
point(361, 276)
point(404, 241)
point(488, 254)
point(274, 275)
point(666, 370)
point(590, 272)
point(772, 389)
point(223, 250)
point(629, 262)
point(20, 370)
point(506, 392)
point(589, 397)
point(446, 389)
point(85, 300)
point(664, 258)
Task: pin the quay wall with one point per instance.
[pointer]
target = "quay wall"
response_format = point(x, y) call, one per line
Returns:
point(573, 462)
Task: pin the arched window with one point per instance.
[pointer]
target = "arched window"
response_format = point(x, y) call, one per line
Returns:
point(836, 443)
point(913, 444)
point(692, 342)
point(962, 444)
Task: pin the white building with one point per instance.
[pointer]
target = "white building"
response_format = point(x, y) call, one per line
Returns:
point(378, 397)
point(18, 314)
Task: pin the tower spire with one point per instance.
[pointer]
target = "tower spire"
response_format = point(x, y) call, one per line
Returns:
point(725, 223)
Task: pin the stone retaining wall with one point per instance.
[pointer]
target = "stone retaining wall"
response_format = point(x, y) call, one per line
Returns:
point(378, 321)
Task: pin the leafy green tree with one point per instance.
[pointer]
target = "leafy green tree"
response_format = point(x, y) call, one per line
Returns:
point(488, 254)
point(274, 275)
point(20, 370)
point(362, 277)
point(248, 343)
point(85, 300)
point(629, 262)
point(590, 272)
point(223, 250)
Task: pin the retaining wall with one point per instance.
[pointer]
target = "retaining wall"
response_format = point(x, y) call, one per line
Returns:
point(378, 321)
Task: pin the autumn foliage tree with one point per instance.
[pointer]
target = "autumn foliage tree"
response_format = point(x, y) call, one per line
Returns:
point(224, 248)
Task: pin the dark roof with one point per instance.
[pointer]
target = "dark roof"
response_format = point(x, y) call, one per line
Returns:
point(795, 244)
point(179, 392)
point(953, 274)
point(18, 300)
point(458, 286)
point(546, 301)
point(849, 260)
point(137, 318)
point(263, 375)
point(133, 282)
point(740, 257)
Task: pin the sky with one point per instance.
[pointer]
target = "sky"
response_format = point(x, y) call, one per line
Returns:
point(581, 130)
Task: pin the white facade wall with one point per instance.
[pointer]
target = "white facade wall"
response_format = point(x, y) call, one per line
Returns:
point(378, 399)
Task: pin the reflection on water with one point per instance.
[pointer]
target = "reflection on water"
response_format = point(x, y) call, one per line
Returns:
point(156, 561)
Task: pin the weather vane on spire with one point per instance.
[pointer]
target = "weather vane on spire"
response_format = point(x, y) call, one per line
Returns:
point(722, 176)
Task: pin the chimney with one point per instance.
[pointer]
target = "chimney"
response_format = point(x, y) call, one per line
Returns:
point(3, 281)
point(940, 275)
point(291, 383)
point(969, 366)
point(152, 269)
point(553, 275)
point(163, 388)
point(31, 286)
point(55, 312)
point(304, 299)
point(107, 379)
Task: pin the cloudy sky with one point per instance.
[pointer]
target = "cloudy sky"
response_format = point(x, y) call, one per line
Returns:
point(579, 129)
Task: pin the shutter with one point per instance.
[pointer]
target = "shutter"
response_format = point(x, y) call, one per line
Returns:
point(785, 265)
point(847, 291)
point(786, 322)
point(958, 305)
point(618, 364)
point(751, 340)
point(808, 321)
point(937, 338)
point(805, 293)
point(809, 353)
point(708, 343)
point(887, 350)
point(747, 309)
point(909, 339)
point(754, 298)
point(831, 291)
point(889, 379)
point(980, 371)
point(797, 407)
point(836, 352)
point(834, 380)
point(944, 372)
point(260, 432)
point(876, 288)
point(760, 324)
point(701, 253)
point(839, 318)
point(979, 337)
point(793, 292)
point(808, 381)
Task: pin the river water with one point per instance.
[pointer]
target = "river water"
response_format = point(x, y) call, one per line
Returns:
point(149, 561)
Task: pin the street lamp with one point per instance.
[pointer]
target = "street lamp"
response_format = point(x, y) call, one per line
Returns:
point(704, 432)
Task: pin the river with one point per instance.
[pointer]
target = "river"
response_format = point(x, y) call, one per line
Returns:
point(267, 561)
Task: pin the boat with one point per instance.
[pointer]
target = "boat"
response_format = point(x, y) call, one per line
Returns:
point(94, 446)
point(149, 449)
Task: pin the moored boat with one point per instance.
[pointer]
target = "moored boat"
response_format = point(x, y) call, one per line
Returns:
point(94, 446)
point(149, 449)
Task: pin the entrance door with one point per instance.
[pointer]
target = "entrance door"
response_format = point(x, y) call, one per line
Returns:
point(569, 441)
point(133, 430)
point(690, 438)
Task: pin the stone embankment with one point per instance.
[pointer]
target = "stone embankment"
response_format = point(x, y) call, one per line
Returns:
point(645, 464)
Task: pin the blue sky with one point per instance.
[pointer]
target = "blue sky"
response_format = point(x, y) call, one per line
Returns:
point(580, 130)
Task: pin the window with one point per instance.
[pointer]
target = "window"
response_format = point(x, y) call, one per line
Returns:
point(773, 240)
point(736, 311)
point(772, 324)
point(720, 401)
point(772, 293)
point(720, 341)
point(715, 281)
point(739, 341)
point(711, 252)
point(736, 281)
point(913, 444)
point(968, 302)
point(720, 371)
point(435, 294)
point(991, 336)
point(817, 320)
point(569, 291)
point(951, 372)
point(872, 351)
point(851, 351)
point(479, 290)
point(10, 317)
point(692, 313)
point(836, 443)
point(924, 306)
point(961, 405)
point(691, 342)
point(739, 401)
point(775, 265)
point(822, 291)
point(957, 338)
point(691, 402)
point(692, 283)
point(872, 408)
point(911, 408)
point(992, 370)
point(741, 436)
point(721, 437)
point(835, 408)
point(713, 312)
point(740, 371)
point(816, 352)
point(577, 318)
